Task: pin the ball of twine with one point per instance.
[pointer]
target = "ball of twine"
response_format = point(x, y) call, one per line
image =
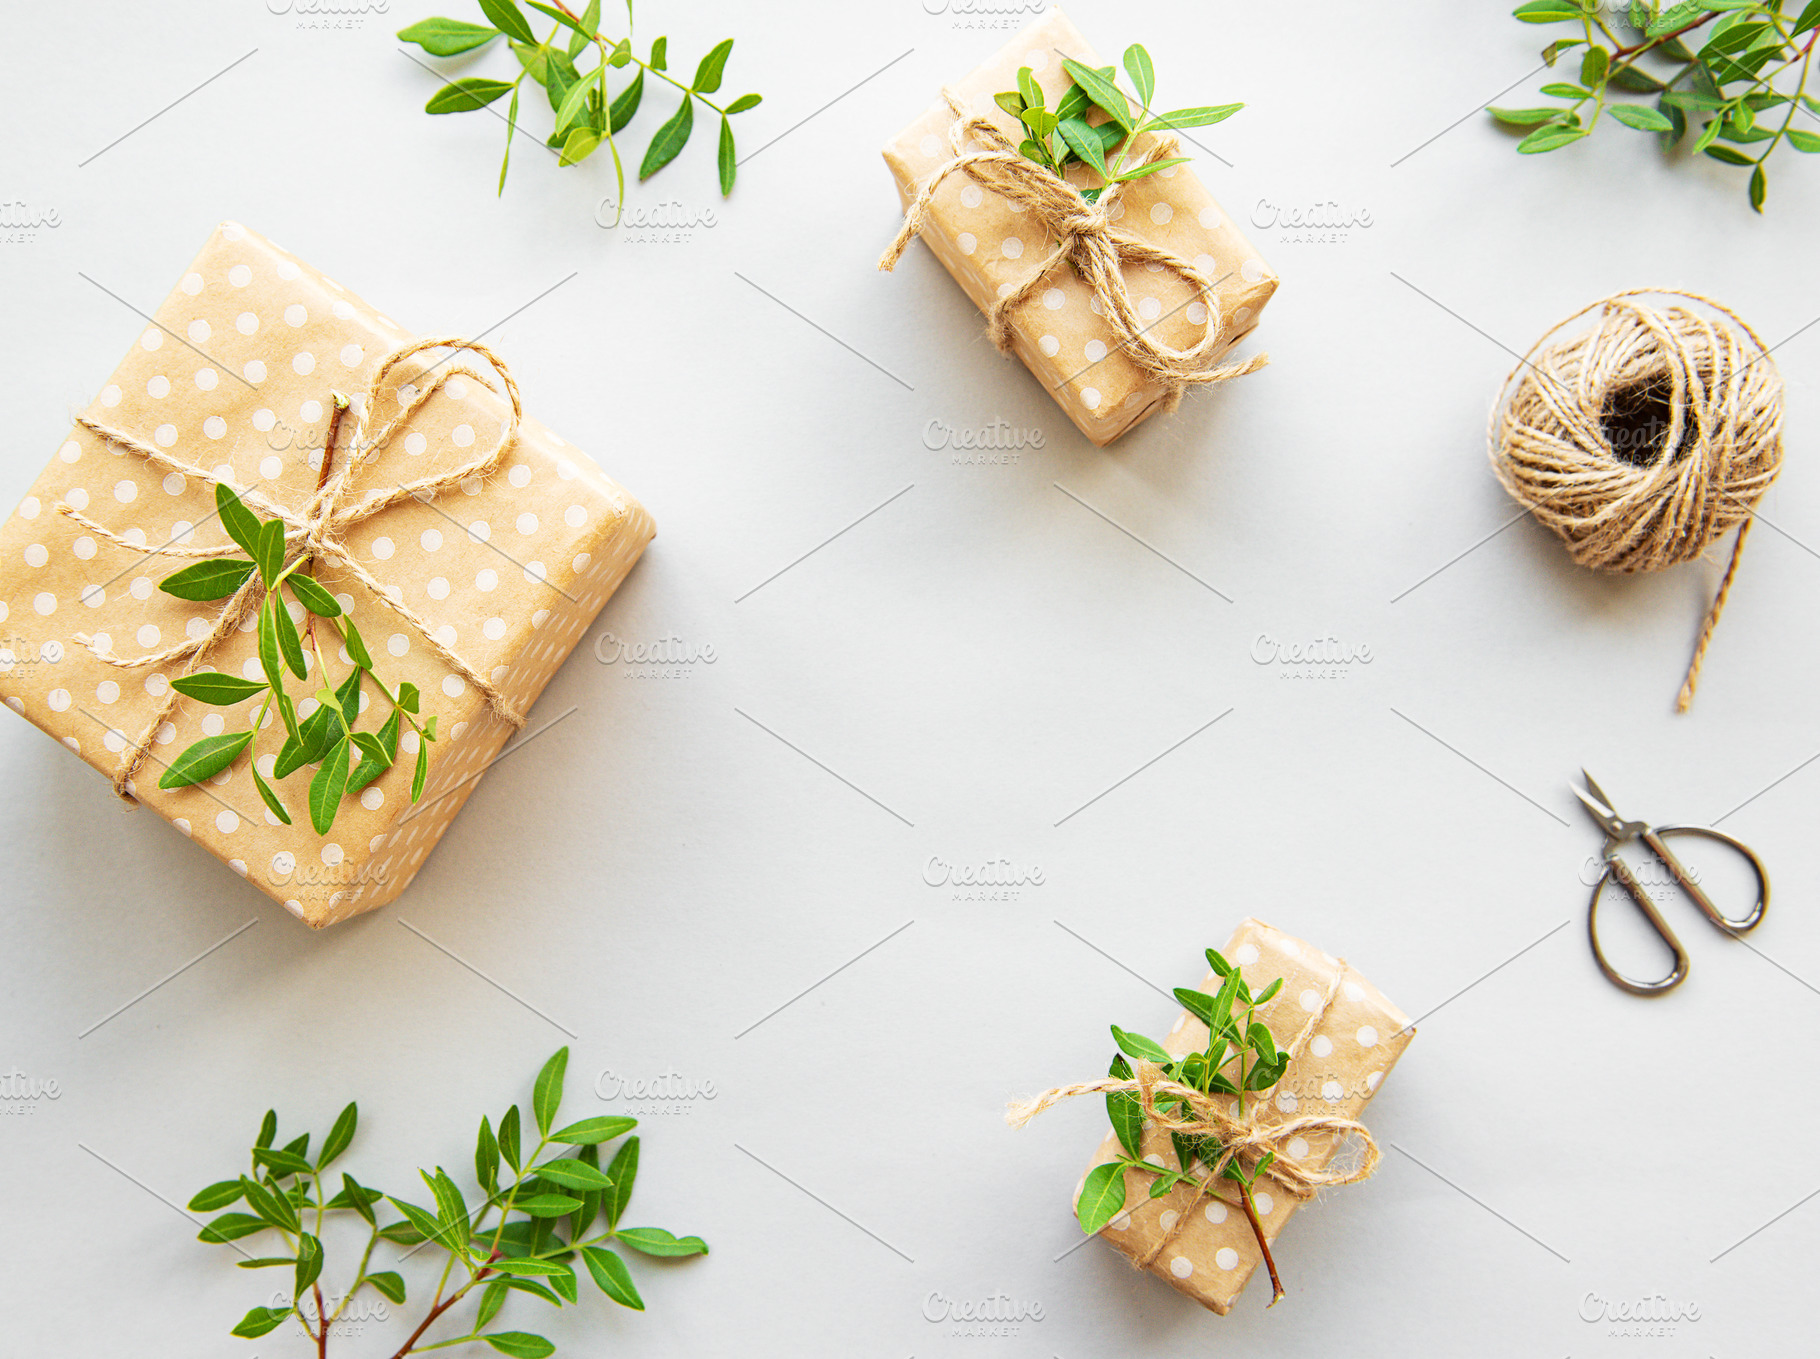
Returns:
point(1645, 439)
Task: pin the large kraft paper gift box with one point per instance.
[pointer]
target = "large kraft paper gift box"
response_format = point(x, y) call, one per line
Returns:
point(235, 374)
point(991, 246)
point(1210, 1251)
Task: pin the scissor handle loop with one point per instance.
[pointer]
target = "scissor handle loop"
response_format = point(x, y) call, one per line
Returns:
point(1727, 923)
point(1616, 868)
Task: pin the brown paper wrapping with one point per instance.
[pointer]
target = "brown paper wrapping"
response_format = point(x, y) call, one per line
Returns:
point(990, 248)
point(1353, 1047)
point(236, 372)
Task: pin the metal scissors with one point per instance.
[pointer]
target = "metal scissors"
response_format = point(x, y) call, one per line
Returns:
point(1618, 832)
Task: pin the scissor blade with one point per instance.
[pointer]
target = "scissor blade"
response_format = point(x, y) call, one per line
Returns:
point(1606, 819)
point(1598, 792)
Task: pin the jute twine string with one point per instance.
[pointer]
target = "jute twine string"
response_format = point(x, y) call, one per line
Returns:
point(1086, 237)
point(1671, 498)
point(319, 531)
point(1244, 1140)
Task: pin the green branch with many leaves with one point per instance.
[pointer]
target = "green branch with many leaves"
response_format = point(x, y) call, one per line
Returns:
point(1064, 135)
point(547, 1209)
point(1241, 1056)
point(587, 113)
point(1745, 84)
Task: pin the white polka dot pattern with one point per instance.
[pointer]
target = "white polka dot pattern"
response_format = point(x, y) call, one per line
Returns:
point(1210, 1252)
point(295, 335)
point(990, 248)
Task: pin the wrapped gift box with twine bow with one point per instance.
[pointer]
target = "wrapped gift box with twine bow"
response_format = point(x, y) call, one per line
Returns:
point(1341, 1036)
point(470, 546)
point(1117, 306)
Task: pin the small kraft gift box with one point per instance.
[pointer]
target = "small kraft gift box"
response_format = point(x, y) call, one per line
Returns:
point(467, 547)
point(1117, 306)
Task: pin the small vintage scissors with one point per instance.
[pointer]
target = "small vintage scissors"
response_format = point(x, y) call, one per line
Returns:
point(1618, 831)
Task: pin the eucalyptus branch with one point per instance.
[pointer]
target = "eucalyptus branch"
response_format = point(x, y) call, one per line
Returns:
point(566, 1193)
point(1732, 78)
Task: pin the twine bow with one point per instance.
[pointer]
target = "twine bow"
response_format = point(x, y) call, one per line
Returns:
point(1177, 1108)
point(319, 530)
point(1086, 237)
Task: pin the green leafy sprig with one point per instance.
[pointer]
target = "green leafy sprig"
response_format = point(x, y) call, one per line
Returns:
point(346, 760)
point(1744, 85)
point(587, 113)
point(1241, 1057)
point(547, 1213)
point(1060, 136)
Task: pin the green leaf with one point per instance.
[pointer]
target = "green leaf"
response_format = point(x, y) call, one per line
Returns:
point(670, 139)
point(525, 1266)
point(729, 164)
point(486, 1157)
point(231, 1227)
point(451, 1208)
point(266, 1262)
point(622, 1172)
point(1810, 18)
point(1808, 142)
point(447, 37)
point(1139, 172)
point(356, 1196)
point(1269, 992)
point(1759, 187)
point(546, 1094)
point(1729, 156)
point(1204, 116)
point(1127, 1117)
point(625, 103)
point(309, 1262)
point(611, 1276)
point(390, 1285)
point(744, 102)
point(547, 1205)
point(402, 1234)
point(713, 66)
point(508, 1138)
point(1199, 1004)
point(573, 25)
point(508, 19)
point(212, 686)
point(657, 1241)
point(207, 580)
point(1142, 73)
point(520, 1344)
point(1674, 17)
point(340, 1135)
point(275, 1208)
point(1642, 118)
point(357, 646)
point(289, 643)
point(573, 1174)
point(1027, 87)
point(603, 1128)
point(270, 555)
point(326, 788)
point(573, 104)
point(1561, 89)
point(1136, 1045)
point(505, 161)
point(216, 1196)
point(1548, 11)
point(1549, 138)
point(1638, 82)
point(281, 1162)
point(589, 28)
point(491, 1300)
point(1593, 65)
point(463, 96)
point(1102, 1197)
point(313, 597)
point(1012, 101)
point(1102, 91)
point(206, 758)
point(579, 145)
point(268, 1129)
point(242, 524)
point(423, 1221)
point(1084, 142)
point(260, 1321)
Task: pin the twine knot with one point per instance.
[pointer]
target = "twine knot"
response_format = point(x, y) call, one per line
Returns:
point(1644, 440)
point(1086, 238)
point(318, 531)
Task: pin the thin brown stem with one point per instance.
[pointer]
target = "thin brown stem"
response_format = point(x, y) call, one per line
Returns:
point(322, 1323)
point(442, 1307)
point(1257, 1230)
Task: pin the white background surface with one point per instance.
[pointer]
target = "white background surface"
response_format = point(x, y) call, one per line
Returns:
point(982, 656)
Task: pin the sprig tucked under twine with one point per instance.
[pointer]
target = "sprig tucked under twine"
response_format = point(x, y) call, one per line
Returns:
point(1557, 445)
point(1085, 237)
point(1246, 1140)
point(319, 530)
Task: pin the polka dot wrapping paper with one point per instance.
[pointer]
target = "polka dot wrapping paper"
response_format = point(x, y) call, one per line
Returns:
point(991, 246)
point(1355, 1043)
point(235, 374)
